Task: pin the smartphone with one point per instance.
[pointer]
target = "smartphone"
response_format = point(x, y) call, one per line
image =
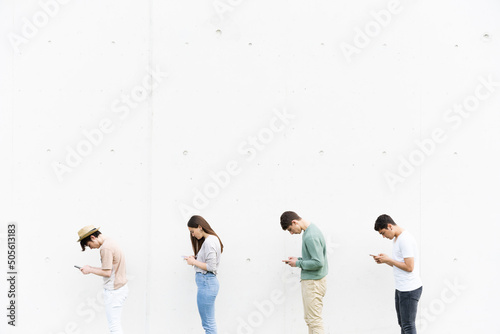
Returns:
point(78, 267)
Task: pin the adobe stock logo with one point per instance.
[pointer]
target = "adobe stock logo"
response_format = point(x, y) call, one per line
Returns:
point(249, 149)
point(363, 37)
point(85, 312)
point(40, 19)
point(225, 6)
point(455, 117)
point(120, 108)
point(265, 309)
point(439, 305)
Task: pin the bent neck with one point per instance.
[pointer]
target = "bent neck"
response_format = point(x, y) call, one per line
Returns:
point(304, 224)
point(398, 230)
point(100, 240)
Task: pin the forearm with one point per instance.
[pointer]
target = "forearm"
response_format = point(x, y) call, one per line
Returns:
point(313, 264)
point(100, 272)
point(401, 265)
point(199, 264)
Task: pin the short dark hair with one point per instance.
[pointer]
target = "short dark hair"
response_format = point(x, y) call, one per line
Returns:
point(85, 240)
point(286, 219)
point(382, 222)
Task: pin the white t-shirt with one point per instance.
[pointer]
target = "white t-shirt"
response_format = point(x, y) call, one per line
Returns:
point(405, 246)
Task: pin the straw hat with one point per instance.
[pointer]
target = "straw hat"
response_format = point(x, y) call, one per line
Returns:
point(86, 231)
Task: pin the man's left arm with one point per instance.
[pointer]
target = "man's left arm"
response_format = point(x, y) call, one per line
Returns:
point(408, 265)
point(96, 271)
point(317, 261)
point(106, 264)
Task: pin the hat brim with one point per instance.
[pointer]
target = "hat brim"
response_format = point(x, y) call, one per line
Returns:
point(88, 233)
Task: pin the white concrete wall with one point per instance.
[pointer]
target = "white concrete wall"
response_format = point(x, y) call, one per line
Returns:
point(358, 106)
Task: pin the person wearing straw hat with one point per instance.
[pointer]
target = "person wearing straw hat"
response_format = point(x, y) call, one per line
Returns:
point(113, 270)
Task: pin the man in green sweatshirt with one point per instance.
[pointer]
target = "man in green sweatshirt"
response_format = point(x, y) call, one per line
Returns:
point(314, 267)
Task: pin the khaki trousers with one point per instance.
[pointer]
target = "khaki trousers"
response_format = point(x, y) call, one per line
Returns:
point(313, 292)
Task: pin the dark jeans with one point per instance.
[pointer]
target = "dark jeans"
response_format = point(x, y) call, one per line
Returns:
point(406, 308)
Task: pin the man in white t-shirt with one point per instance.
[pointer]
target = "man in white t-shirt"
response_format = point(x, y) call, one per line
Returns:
point(405, 264)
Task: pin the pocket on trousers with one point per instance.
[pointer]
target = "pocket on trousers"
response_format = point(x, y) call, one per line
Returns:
point(416, 294)
point(106, 296)
point(213, 285)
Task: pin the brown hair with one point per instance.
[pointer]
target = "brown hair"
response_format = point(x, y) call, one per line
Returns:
point(196, 221)
point(85, 240)
point(286, 219)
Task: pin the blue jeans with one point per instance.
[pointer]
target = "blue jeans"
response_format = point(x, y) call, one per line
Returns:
point(406, 308)
point(208, 287)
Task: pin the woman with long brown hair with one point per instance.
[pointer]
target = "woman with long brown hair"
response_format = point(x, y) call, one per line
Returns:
point(207, 248)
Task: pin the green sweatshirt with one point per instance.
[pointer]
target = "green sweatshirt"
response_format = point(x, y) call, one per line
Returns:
point(313, 262)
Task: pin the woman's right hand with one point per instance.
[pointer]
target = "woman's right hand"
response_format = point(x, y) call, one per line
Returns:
point(190, 260)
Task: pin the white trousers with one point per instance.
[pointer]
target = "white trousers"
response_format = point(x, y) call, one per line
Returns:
point(113, 303)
